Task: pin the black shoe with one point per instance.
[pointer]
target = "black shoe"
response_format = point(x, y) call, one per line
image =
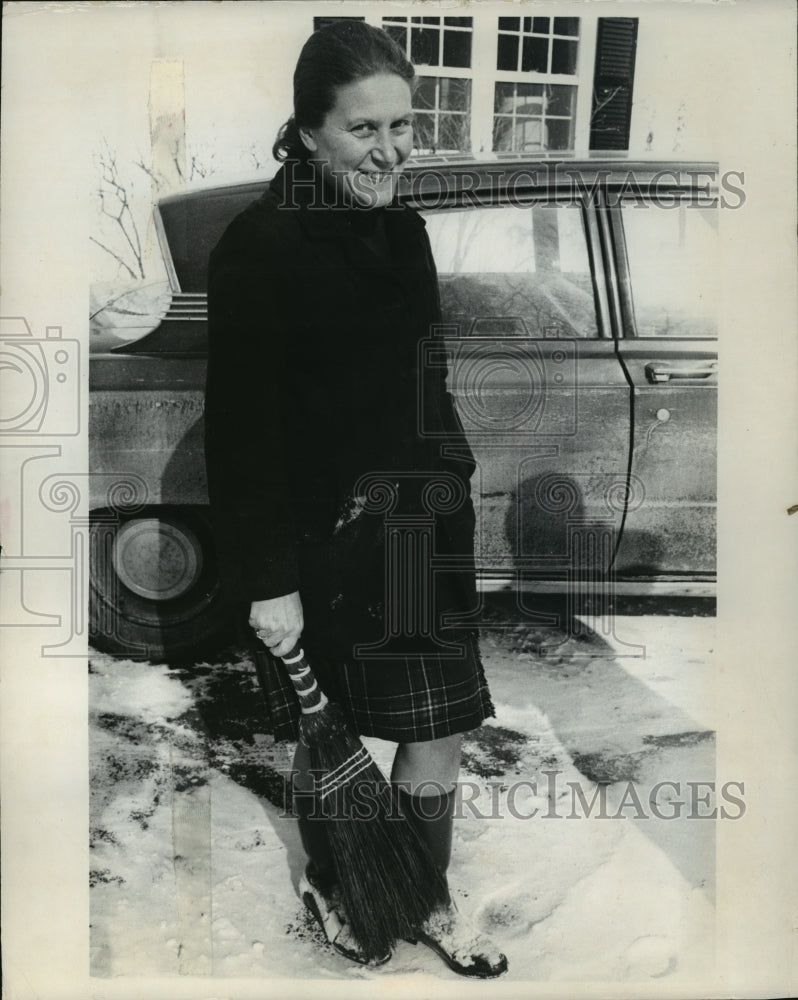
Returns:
point(332, 919)
point(460, 945)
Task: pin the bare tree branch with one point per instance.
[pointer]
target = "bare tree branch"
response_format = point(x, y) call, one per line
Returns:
point(604, 102)
point(254, 155)
point(117, 199)
point(157, 179)
point(176, 157)
point(200, 168)
point(115, 205)
point(116, 256)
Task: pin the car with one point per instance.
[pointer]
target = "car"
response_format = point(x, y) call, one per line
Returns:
point(579, 338)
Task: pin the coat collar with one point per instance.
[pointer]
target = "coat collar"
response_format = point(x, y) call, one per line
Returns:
point(298, 186)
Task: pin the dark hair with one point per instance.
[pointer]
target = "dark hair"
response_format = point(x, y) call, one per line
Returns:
point(338, 54)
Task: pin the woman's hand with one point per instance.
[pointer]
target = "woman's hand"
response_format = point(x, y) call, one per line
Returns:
point(278, 622)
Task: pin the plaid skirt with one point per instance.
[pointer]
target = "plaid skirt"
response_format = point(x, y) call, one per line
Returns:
point(409, 699)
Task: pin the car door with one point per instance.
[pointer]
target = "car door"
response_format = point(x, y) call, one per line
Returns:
point(668, 275)
point(538, 385)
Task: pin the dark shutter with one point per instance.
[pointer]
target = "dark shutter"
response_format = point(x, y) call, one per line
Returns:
point(613, 82)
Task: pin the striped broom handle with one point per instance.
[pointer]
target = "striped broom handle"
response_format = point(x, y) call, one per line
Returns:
point(311, 697)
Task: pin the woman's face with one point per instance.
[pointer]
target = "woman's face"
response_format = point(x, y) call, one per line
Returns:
point(365, 138)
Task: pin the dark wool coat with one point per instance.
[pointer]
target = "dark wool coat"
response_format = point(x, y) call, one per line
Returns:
point(313, 382)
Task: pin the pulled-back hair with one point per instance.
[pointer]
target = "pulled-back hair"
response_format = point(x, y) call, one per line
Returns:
point(338, 54)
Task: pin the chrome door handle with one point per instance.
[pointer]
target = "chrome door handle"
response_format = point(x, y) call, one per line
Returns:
point(664, 371)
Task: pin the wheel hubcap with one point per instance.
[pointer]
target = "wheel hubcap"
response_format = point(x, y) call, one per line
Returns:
point(157, 560)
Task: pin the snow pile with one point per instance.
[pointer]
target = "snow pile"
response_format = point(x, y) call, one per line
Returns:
point(195, 865)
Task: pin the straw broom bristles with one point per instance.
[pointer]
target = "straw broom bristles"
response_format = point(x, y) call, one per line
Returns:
point(389, 883)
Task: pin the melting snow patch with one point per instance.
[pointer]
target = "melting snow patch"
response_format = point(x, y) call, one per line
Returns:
point(148, 692)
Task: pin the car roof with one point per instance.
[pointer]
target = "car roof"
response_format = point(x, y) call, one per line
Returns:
point(614, 166)
point(190, 223)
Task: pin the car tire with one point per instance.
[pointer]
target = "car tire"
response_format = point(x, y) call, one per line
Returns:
point(154, 591)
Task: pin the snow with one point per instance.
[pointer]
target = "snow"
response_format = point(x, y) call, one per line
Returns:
point(195, 867)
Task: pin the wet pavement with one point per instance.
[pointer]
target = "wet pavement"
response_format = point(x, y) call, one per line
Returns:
point(584, 842)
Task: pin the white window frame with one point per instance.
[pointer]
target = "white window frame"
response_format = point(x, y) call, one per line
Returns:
point(436, 112)
point(387, 19)
point(581, 80)
point(550, 35)
point(484, 75)
point(440, 71)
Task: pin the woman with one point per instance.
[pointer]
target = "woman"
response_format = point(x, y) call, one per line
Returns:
point(319, 294)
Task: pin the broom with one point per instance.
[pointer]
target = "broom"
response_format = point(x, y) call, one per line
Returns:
point(389, 882)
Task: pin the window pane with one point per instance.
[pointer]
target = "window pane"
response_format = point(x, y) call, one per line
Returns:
point(430, 20)
point(503, 135)
point(507, 54)
point(521, 97)
point(529, 93)
point(566, 26)
point(398, 33)
point(502, 94)
point(529, 266)
point(457, 48)
point(517, 135)
point(392, 17)
point(509, 24)
point(458, 22)
point(535, 56)
point(674, 271)
point(442, 106)
point(453, 133)
point(560, 100)
point(563, 56)
point(559, 134)
point(424, 46)
point(529, 135)
point(540, 24)
point(424, 96)
point(424, 131)
point(527, 24)
point(455, 95)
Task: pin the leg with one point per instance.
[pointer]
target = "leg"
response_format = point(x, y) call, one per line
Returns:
point(429, 768)
point(318, 886)
point(429, 771)
point(426, 774)
point(312, 829)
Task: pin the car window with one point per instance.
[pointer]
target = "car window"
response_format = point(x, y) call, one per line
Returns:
point(673, 267)
point(514, 271)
